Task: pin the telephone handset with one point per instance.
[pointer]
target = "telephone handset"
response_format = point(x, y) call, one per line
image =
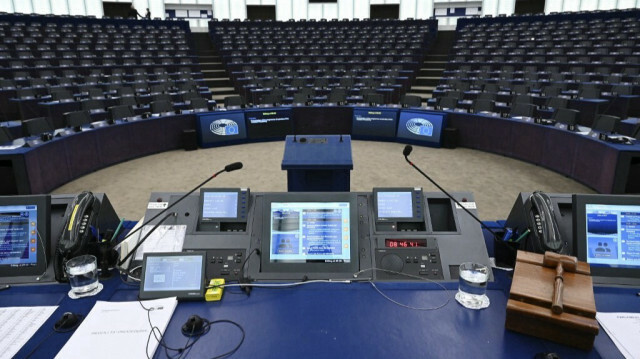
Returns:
point(545, 233)
point(76, 234)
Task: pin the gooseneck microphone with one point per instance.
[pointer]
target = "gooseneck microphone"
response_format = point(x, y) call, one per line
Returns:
point(406, 152)
point(228, 168)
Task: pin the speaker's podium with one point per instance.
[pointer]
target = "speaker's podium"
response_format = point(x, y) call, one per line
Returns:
point(318, 163)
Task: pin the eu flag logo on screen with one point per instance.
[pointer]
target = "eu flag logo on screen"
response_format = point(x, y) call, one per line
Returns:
point(420, 127)
point(224, 127)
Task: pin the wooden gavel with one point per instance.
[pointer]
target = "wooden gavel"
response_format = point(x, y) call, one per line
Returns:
point(561, 263)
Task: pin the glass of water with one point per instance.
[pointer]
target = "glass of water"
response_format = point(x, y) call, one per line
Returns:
point(472, 289)
point(82, 272)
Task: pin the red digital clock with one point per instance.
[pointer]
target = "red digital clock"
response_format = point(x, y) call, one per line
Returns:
point(405, 243)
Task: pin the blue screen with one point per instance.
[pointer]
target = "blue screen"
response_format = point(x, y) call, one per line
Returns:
point(374, 123)
point(221, 127)
point(421, 127)
point(173, 273)
point(613, 235)
point(19, 235)
point(310, 232)
point(219, 205)
point(395, 205)
point(269, 123)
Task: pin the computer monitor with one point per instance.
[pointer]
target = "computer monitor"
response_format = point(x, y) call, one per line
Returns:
point(310, 232)
point(222, 205)
point(178, 275)
point(607, 236)
point(24, 238)
point(421, 127)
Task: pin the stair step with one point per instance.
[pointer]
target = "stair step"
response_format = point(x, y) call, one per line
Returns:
point(218, 90)
point(424, 95)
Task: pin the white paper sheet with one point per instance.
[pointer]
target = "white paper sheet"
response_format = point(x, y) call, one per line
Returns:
point(624, 331)
point(17, 326)
point(119, 330)
point(167, 238)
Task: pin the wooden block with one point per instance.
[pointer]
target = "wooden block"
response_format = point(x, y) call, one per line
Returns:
point(529, 305)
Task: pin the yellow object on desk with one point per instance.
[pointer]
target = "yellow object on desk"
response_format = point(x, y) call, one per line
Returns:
point(214, 294)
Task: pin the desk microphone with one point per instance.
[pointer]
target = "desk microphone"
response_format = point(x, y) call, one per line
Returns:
point(406, 152)
point(228, 168)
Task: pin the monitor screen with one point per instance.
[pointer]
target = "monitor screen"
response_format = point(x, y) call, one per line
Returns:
point(421, 127)
point(24, 238)
point(371, 123)
point(219, 205)
point(269, 123)
point(307, 232)
point(613, 235)
point(19, 235)
point(607, 236)
point(394, 205)
point(221, 128)
point(173, 274)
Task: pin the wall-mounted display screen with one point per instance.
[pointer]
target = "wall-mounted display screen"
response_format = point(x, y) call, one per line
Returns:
point(221, 128)
point(421, 127)
point(373, 123)
point(269, 123)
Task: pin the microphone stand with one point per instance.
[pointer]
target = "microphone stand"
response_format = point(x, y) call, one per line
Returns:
point(407, 152)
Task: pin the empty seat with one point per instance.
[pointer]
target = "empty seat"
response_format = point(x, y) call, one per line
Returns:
point(557, 102)
point(566, 116)
point(92, 104)
point(411, 101)
point(61, 94)
point(37, 126)
point(483, 106)
point(77, 119)
point(198, 103)
point(605, 123)
point(447, 103)
point(522, 110)
point(161, 106)
point(374, 99)
point(233, 101)
point(120, 112)
point(5, 135)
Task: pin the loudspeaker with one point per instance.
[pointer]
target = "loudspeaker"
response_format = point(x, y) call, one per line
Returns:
point(189, 140)
point(450, 137)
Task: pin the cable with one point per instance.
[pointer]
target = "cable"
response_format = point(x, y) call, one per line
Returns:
point(355, 275)
point(132, 251)
point(280, 285)
point(155, 331)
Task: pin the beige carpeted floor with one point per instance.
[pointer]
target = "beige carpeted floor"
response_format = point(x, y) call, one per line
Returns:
point(495, 180)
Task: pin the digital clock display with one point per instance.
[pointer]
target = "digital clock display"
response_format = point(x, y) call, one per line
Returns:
point(405, 243)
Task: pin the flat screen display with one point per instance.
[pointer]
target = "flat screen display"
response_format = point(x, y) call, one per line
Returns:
point(394, 204)
point(269, 123)
point(222, 127)
point(173, 274)
point(613, 235)
point(19, 235)
point(421, 127)
point(310, 232)
point(374, 123)
point(219, 205)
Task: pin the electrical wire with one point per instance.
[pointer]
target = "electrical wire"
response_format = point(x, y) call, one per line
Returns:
point(279, 285)
point(159, 336)
point(448, 296)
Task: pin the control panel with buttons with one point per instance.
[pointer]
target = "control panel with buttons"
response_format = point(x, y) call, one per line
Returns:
point(225, 263)
point(418, 257)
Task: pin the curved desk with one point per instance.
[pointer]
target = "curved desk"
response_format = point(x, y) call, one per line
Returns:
point(603, 166)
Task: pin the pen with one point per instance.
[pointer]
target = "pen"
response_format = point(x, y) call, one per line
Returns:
point(523, 235)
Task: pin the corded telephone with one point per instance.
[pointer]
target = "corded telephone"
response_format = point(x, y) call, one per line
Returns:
point(545, 233)
point(80, 217)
